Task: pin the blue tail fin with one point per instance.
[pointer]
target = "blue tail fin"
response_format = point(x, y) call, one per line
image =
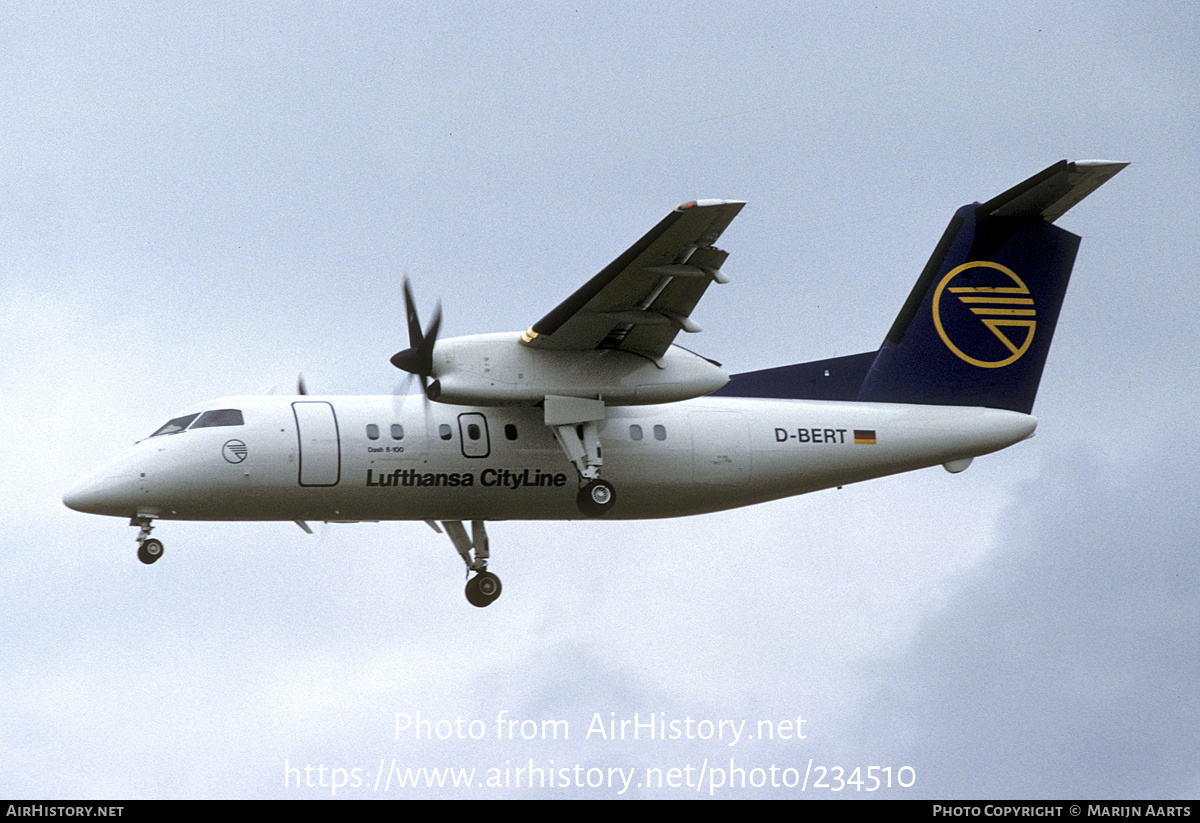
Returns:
point(977, 327)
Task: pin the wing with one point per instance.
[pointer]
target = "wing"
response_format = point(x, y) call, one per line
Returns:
point(641, 300)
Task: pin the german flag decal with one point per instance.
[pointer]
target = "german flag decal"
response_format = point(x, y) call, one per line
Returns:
point(864, 437)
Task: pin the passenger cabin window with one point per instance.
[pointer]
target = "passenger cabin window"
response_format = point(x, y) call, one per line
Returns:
point(660, 432)
point(397, 431)
point(510, 431)
point(372, 431)
point(635, 432)
point(444, 431)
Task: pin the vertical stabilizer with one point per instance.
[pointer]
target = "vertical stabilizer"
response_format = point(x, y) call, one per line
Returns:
point(977, 327)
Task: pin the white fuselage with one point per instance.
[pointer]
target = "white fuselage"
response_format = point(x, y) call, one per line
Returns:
point(403, 458)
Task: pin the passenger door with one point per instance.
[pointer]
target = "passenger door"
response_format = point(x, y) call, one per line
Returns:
point(320, 447)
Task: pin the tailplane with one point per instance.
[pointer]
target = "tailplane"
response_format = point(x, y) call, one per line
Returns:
point(976, 329)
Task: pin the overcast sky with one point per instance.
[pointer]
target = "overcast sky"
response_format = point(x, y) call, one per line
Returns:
point(203, 199)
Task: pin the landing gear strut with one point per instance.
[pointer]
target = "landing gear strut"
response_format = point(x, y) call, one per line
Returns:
point(149, 549)
point(575, 422)
point(484, 587)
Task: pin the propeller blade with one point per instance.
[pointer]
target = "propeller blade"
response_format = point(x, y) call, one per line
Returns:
point(426, 348)
point(410, 311)
point(417, 359)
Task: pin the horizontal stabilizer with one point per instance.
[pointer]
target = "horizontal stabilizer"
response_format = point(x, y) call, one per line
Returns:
point(1051, 193)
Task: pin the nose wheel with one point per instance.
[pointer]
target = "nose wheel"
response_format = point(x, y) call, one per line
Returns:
point(149, 548)
point(150, 551)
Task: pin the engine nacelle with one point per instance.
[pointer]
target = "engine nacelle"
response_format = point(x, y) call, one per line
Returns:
point(496, 370)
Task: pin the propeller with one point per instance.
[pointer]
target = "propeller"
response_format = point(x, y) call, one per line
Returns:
point(417, 359)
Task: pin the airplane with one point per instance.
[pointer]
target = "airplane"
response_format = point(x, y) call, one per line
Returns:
point(595, 411)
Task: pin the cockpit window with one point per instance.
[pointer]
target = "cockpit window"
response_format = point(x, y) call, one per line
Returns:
point(215, 417)
point(176, 425)
point(219, 417)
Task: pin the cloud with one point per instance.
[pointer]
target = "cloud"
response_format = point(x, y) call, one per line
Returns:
point(1066, 663)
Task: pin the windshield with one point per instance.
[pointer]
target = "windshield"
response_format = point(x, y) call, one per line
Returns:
point(176, 425)
point(215, 417)
point(219, 417)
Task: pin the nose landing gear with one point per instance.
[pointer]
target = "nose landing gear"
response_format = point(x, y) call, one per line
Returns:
point(149, 549)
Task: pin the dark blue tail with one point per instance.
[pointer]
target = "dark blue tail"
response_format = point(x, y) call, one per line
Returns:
point(977, 327)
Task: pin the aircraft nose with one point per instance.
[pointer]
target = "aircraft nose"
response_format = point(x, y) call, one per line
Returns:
point(80, 497)
point(101, 495)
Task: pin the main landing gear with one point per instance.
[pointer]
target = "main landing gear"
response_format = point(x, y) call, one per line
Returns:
point(149, 549)
point(484, 587)
point(596, 497)
point(575, 422)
